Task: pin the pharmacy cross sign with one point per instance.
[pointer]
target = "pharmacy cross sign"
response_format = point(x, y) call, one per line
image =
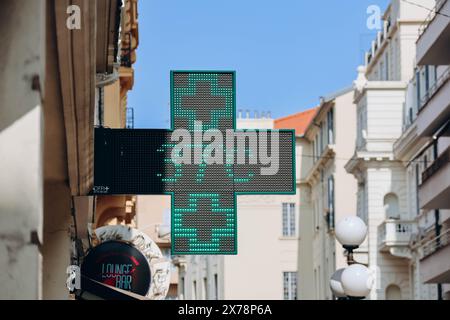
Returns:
point(203, 162)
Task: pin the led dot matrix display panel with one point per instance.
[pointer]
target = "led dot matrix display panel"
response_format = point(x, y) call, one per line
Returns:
point(139, 161)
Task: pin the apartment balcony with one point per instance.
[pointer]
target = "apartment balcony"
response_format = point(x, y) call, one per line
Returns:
point(320, 161)
point(378, 43)
point(126, 58)
point(434, 109)
point(434, 259)
point(434, 36)
point(394, 236)
point(107, 33)
point(434, 192)
point(384, 101)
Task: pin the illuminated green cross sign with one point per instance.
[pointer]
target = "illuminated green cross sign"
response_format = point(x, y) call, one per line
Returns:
point(203, 162)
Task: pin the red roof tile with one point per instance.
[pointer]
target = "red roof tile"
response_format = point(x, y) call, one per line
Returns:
point(298, 121)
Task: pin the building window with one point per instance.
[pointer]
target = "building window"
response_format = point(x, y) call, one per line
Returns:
point(381, 71)
point(290, 285)
point(417, 189)
point(386, 67)
point(317, 147)
point(216, 287)
point(181, 288)
point(314, 150)
point(330, 124)
point(434, 74)
point(205, 289)
point(289, 220)
point(316, 215)
point(411, 115)
point(330, 214)
point(194, 290)
point(423, 86)
point(393, 292)
point(391, 208)
point(322, 145)
point(361, 135)
point(316, 288)
point(418, 93)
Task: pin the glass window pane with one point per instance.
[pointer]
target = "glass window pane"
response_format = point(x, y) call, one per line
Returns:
point(285, 220)
point(292, 220)
point(290, 285)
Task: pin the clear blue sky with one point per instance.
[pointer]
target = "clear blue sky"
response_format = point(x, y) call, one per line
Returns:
point(286, 53)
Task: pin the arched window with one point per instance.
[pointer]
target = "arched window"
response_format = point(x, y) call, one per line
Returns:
point(391, 206)
point(393, 292)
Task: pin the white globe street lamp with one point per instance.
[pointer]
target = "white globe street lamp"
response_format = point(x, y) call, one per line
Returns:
point(351, 232)
point(357, 281)
point(336, 284)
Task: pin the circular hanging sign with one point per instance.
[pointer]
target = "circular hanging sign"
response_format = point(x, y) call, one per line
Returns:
point(159, 280)
point(118, 264)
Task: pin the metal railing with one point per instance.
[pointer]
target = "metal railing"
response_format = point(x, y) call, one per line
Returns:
point(443, 78)
point(436, 165)
point(408, 116)
point(435, 244)
point(129, 118)
point(125, 54)
point(433, 13)
point(378, 42)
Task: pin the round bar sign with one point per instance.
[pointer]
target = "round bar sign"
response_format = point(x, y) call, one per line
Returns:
point(118, 264)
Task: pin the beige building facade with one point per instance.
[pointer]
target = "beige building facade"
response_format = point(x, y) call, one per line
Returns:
point(50, 100)
point(329, 191)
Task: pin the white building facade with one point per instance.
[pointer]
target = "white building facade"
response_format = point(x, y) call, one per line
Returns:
point(424, 148)
point(383, 189)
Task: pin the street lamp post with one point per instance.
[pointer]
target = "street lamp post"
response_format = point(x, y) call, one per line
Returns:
point(354, 281)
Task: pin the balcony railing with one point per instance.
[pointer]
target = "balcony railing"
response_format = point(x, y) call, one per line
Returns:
point(381, 37)
point(129, 118)
point(395, 233)
point(433, 13)
point(443, 78)
point(125, 56)
point(435, 244)
point(441, 161)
